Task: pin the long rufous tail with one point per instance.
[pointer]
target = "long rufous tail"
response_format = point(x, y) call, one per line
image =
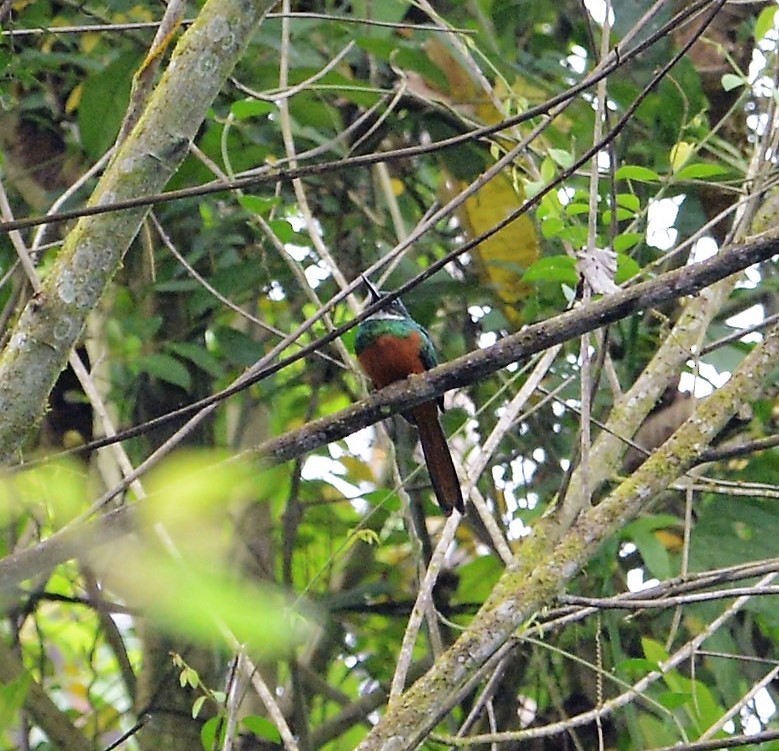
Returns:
point(438, 458)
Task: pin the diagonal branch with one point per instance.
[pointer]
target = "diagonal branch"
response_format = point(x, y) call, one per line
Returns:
point(53, 320)
point(530, 340)
point(547, 560)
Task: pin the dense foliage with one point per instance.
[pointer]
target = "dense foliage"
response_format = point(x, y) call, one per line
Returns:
point(505, 162)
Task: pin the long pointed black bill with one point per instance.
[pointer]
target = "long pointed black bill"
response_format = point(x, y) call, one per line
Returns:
point(375, 294)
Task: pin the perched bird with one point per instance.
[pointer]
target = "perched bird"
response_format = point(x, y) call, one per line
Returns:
point(391, 346)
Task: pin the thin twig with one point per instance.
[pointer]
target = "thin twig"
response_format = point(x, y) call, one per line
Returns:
point(423, 601)
point(618, 58)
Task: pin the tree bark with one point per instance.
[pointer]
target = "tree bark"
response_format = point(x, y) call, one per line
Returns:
point(53, 320)
point(546, 561)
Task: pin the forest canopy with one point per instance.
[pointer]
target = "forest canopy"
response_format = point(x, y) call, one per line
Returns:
point(218, 534)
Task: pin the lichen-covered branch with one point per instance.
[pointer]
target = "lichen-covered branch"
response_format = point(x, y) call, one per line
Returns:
point(53, 319)
point(543, 565)
point(629, 412)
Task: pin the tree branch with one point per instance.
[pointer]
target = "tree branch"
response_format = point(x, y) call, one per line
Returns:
point(546, 561)
point(530, 340)
point(52, 321)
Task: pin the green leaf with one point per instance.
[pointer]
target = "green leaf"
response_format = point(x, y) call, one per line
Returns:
point(192, 485)
point(750, 527)
point(197, 706)
point(629, 201)
point(5, 60)
point(576, 209)
point(635, 667)
point(262, 727)
point(391, 50)
point(191, 598)
point(654, 651)
point(388, 11)
point(166, 368)
point(558, 269)
point(636, 172)
point(548, 170)
point(212, 733)
point(627, 240)
point(103, 104)
point(239, 348)
point(765, 22)
point(282, 229)
point(231, 280)
point(576, 235)
point(627, 268)
point(653, 552)
point(259, 204)
point(650, 523)
point(478, 577)
point(731, 81)
point(644, 533)
point(534, 187)
point(564, 159)
point(673, 699)
point(56, 491)
point(622, 215)
point(199, 355)
point(12, 695)
point(700, 171)
point(552, 227)
point(247, 108)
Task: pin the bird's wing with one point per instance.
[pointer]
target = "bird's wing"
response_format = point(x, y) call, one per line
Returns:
point(429, 359)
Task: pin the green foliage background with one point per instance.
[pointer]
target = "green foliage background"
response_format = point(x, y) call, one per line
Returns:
point(310, 569)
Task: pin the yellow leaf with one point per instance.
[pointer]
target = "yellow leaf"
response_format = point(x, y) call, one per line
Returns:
point(74, 98)
point(357, 470)
point(398, 186)
point(680, 154)
point(463, 89)
point(140, 12)
point(502, 258)
point(89, 41)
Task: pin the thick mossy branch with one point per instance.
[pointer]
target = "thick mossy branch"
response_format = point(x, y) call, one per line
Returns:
point(543, 565)
point(608, 450)
point(52, 321)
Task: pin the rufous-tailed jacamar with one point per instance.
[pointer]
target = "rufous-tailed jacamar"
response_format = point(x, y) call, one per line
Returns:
point(391, 346)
